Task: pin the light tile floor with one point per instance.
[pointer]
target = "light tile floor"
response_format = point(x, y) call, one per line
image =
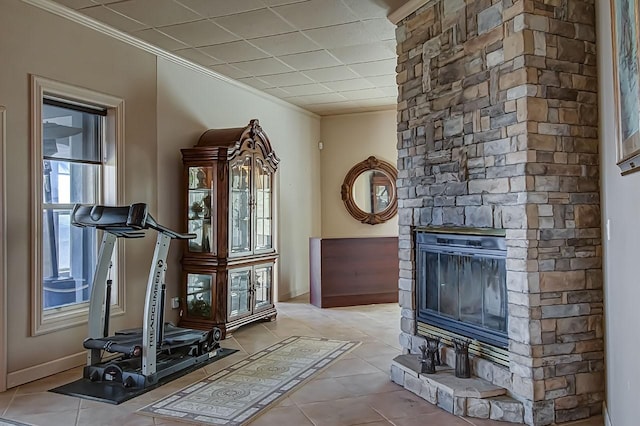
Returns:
point(355, 390)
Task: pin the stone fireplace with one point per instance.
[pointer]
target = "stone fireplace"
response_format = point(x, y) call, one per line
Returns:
point(497, 131)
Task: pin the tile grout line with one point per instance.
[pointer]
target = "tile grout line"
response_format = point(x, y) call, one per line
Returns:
point(13, 397)
point(77, 422)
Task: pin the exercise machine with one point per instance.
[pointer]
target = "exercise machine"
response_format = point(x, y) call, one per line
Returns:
point(158, 349)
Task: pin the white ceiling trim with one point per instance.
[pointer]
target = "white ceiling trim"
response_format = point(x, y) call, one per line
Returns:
point(86, 21)
point(405, 10)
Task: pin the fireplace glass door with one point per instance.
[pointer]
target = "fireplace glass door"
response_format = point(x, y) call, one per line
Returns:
point(462, 285)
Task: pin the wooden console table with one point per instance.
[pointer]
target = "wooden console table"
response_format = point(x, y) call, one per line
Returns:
point(353, 271)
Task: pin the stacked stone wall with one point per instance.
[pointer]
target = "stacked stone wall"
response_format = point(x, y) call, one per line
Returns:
point(497, 128)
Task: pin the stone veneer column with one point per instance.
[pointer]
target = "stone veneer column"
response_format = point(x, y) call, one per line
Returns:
point(497, 124)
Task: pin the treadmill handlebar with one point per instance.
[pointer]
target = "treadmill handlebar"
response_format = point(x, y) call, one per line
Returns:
point(122, 221)
point(151, 223)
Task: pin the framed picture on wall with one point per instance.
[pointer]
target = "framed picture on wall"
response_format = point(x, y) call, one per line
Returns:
point(626, 66)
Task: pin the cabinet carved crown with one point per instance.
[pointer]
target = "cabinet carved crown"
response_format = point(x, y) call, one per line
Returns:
point(228, 269)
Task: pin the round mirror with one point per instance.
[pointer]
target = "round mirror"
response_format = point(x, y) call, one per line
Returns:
point(369, 191)
point(372, 191)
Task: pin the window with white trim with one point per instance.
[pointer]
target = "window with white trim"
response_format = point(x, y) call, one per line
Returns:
point(75, 159)
point(72, 138)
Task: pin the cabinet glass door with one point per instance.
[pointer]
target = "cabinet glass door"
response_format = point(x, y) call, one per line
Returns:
point(239, 292)
point(199, 295)
point(199, 211)
point(263, 207)
point(239, 206)
point(262, 286)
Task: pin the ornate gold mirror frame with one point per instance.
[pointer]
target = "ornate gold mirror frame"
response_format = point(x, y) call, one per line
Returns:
point(370, 164)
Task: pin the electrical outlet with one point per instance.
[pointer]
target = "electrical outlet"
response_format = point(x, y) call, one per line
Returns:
point(175, 302)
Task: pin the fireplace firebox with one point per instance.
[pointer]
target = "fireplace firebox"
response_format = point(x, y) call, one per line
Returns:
point(461, 285)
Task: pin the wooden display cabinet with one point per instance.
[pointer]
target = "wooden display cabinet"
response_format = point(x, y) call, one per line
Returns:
point(228, 269)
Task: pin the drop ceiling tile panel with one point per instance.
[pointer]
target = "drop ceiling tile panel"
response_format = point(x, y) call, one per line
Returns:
point(230, 71)
point(377, 68)
point(284, 44)
point(278, 92)
point(310, 60)
point(316, 13)
point(388, 80)
point(254, 24)
point(328, 56)
point(236, 51)
point(341, 35)
point(261, 67)
point(354, 84)
point(389, 91)
point(331, 74)
point(380, 29)
point(363, 53)
point(256, 83)
point(215, 8)
point(307, 89)
point(368, 9)
point(287, 79)
point(380, 102)
point(317, 99)
point(160, 40)
point(331, 108)
point(197, 56)
point(155, 13)
point(109, 17)
point(296, 101)
point(391, 45)
point(363, 94)
point(199, 33)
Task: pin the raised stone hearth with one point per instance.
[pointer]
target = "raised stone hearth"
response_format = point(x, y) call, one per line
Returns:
point(473, 397)
point(497, 129)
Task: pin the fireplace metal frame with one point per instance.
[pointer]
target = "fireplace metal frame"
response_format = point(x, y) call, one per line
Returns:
point(485, 246)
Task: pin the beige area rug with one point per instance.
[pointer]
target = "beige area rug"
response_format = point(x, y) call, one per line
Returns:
point(239, 393)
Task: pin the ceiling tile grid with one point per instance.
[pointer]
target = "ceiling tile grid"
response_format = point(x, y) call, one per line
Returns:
point(327, 56)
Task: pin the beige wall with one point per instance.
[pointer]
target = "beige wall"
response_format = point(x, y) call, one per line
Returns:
point(621, 209)
point(347, 140)
point(189, 103)
point(167, 107)
point(35, 42)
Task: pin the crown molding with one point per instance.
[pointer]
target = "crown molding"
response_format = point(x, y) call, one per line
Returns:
point(72, 15)
point(405, 10)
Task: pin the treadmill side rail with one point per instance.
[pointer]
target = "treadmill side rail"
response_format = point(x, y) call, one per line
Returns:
point(97, 301)
point(152, 305)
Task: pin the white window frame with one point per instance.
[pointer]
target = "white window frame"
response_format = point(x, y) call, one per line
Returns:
point(112, 191)
point(3, 254)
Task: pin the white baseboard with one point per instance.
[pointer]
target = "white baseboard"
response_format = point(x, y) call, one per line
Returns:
point(26, 375)
point(605, 414)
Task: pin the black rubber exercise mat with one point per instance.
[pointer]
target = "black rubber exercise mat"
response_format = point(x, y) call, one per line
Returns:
point(115, 393)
